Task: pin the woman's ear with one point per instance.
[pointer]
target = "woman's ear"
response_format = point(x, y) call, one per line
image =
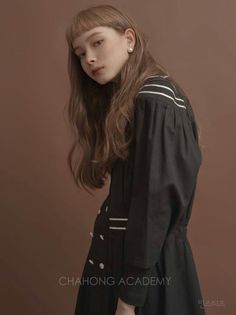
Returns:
point(130, 37)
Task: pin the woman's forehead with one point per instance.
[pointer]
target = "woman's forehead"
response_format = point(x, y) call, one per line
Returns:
point(86, 35)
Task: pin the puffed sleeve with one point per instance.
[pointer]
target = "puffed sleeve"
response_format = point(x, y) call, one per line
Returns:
point(166, 162)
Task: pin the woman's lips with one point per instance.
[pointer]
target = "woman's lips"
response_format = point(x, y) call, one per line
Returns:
point(97, 71)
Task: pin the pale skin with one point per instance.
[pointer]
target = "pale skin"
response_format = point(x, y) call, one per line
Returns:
point(108, 49)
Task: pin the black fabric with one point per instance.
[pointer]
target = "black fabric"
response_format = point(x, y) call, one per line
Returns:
point(144, 220)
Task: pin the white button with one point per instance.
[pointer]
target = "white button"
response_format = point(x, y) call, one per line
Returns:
point(99, 211)
point(91, 262)
point(91, 234)
point(106, 208)
point(101, 236)
point(101, 265)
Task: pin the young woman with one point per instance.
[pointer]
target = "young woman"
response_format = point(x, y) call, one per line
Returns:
point(133, 122)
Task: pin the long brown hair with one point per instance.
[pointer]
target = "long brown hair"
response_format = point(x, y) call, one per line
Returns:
point(102, 115)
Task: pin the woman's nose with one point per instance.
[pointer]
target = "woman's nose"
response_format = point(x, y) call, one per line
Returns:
point(90, 58)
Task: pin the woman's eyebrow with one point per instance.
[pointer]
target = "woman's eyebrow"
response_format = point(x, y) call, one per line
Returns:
point(95, 33)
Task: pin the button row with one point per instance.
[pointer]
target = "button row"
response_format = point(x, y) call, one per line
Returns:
point(101, 265)
point(100, 235)
point(106, 209)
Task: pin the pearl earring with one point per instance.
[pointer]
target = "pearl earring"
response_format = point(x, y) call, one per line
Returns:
point(130, 49)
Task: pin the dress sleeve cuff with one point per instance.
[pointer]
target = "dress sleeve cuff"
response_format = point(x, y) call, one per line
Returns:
point(133, 285)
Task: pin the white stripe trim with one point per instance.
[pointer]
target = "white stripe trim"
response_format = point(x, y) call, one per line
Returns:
point(167, 88)
point(151, 92)
point(157, 76)
point(118, 219)
point(117, 228)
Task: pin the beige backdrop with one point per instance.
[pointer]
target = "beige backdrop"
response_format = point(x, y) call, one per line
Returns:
point(45, 219)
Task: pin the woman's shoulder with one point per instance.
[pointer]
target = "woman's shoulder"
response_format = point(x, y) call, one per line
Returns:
point(162, 99)
point(162, 91)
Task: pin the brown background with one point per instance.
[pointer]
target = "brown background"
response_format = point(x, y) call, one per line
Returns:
point(45, 219)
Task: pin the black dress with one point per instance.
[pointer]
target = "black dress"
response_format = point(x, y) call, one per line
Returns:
point(139, 249)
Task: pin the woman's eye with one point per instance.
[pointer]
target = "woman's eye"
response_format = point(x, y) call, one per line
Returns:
point(98, 41)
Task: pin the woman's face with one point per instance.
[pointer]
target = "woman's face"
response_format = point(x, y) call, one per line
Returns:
point(103, 47)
